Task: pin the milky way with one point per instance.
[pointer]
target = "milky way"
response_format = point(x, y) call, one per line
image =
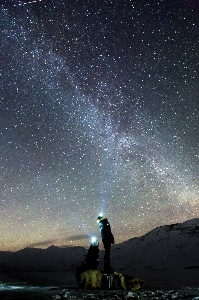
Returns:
point(99, 112)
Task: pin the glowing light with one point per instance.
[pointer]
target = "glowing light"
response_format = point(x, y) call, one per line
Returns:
point(94, 241)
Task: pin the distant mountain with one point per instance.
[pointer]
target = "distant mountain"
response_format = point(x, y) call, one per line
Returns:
point(167, 255)
point(50, 259)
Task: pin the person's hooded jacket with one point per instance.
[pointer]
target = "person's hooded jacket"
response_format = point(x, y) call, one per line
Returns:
point(105, 230)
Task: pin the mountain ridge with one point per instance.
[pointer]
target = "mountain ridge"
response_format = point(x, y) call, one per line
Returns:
point(165, 255)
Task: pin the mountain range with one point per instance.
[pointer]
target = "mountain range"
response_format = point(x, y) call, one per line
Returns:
point(166, 256)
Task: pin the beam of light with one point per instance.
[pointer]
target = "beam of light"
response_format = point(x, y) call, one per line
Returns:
point(102, 134)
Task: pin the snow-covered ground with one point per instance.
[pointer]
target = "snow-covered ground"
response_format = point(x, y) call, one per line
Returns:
point(36, 292)
point(16, 289)
point(128, 295)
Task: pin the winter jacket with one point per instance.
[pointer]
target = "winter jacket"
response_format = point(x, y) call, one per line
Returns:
point(105, 230)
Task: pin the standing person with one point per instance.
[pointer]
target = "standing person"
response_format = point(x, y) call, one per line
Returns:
point(107, 239)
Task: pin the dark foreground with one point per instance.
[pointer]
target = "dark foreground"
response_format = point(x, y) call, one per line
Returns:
point(54, 286)
point(43, 293)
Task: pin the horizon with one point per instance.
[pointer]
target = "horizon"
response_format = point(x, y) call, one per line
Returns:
point(101, 248)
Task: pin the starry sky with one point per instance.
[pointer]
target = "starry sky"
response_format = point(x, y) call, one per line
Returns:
point(99, 113)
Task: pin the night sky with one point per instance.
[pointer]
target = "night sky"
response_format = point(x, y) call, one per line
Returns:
point(99, 113)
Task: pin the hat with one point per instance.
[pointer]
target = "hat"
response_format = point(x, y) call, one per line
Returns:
point(100, 218)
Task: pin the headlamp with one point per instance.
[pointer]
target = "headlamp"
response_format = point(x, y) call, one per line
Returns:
point(94, 241)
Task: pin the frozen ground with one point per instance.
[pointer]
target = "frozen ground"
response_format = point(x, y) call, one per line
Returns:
point(42, 293)
point(67, 289)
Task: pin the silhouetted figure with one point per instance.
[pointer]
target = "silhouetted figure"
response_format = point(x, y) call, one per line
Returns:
point(107, 239)
point(91, 261)
point(92, 257)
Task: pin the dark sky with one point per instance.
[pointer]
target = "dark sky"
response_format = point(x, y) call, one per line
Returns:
point(99, 113)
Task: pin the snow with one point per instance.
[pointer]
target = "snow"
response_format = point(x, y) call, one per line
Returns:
point(167, 255)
